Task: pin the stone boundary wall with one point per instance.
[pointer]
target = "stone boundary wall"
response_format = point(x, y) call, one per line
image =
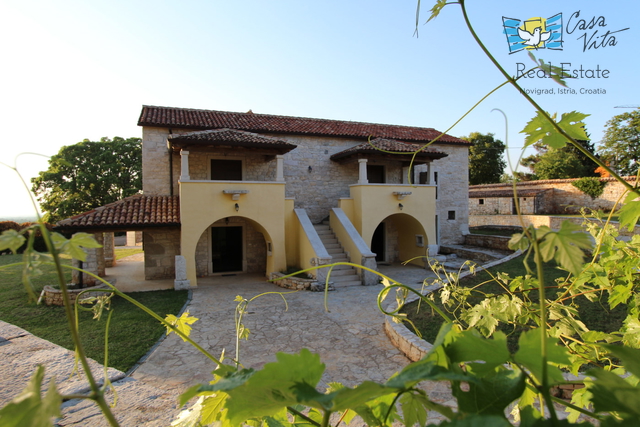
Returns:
point(564, 199)
point(492, 242)
point(298, 283)
point(53, 296)
point(404, 339)
point(553, 222)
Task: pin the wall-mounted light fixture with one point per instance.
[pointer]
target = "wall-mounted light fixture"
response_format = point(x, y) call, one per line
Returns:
point(400, 205)
point(310, 168)
point(237, 207)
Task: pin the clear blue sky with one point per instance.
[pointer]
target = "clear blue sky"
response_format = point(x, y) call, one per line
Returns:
point(82, 69)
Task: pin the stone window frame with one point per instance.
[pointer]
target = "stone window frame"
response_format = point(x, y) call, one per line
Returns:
point(244, 245)
point(243, 159)
point(451, 215)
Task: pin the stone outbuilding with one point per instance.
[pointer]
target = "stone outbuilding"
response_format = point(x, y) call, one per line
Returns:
point(227, 193)
point(543, 197)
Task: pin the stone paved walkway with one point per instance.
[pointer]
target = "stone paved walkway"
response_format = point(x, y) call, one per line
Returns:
point(349, 339)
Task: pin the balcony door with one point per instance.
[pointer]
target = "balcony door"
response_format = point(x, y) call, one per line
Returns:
point(226, 170)
point(226, 249)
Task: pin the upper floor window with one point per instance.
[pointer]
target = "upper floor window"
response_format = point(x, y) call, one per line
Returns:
point(226, 170)
point(375, 174)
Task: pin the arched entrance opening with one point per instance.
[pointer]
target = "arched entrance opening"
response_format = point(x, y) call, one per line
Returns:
point(232, 245)
point(399, 238)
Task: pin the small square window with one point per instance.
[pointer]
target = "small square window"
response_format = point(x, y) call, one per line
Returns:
point(481, 201)
point(451, 215)
point(420, 240)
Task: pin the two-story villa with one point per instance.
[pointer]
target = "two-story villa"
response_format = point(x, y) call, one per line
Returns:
point(230, 192)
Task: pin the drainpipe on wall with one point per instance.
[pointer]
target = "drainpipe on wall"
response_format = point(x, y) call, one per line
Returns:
point(170, 165)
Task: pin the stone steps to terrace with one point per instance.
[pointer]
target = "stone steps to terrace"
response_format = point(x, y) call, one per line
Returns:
point(341, 275)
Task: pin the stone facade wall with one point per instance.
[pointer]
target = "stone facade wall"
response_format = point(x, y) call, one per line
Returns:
point(561, 197)
point(160, 249)
point(254, 253)
point(318, 189)
point(453, 193)
point(155, 161)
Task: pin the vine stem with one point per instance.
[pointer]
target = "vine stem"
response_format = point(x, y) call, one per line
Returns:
point(146, 310)
point(543, 335)
point(97, 393)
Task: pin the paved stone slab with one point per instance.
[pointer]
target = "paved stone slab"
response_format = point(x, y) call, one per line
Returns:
point(22, 352)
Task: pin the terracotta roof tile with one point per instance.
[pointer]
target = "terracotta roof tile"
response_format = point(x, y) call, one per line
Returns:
point(138, 211)
point(233, 137)
point(265, 123)
point(384, 147)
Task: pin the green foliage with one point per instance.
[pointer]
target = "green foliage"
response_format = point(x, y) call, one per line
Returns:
point(590, 186)
point(621, 143)
point(539, 129)
point(486, 163)
point(181, 324)
point(88, 175)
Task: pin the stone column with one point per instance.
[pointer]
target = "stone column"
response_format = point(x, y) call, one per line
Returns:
point(99, 254)
point(181, 281)
point(109, 250)
point(93, 264)
point(362, 171)
point(184, 166)
point(280, 168)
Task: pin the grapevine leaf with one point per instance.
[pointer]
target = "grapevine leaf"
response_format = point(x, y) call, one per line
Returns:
point(557, 74)
point(73, 246)
point(477, 421)
point(630, 357)
point(29, 408)
point(423, 370)
point(529, 355)
point(380, 411)
point(351, 398)
point(436, 9)
point(309, 396)
point(492, 394)
point(611, 393)
point(631, 330)
point(180, 323)
point(269, 390)
point(481, 316)
point(565, 246)
point(519, 241)
point(629, 214)
point(11, 239)
point(469, 346)
point(414, 409)
point(539, 129)
point(213, 408)
point(620, 295)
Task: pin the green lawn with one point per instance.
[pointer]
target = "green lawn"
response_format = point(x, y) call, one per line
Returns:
point(132, 332)
point(123, 253)
point(596, 316)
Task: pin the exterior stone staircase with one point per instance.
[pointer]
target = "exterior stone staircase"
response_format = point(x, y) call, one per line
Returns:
point(341, 275)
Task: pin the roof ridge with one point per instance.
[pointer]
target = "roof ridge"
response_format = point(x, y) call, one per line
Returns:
point(290, 117)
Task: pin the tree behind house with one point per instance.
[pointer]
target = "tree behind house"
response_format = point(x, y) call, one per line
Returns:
point(485, 158)
point(87, 175)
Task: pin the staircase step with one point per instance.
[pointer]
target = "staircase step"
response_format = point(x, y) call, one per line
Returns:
point(335, 251)
point(336, 245)
point(344, 272)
